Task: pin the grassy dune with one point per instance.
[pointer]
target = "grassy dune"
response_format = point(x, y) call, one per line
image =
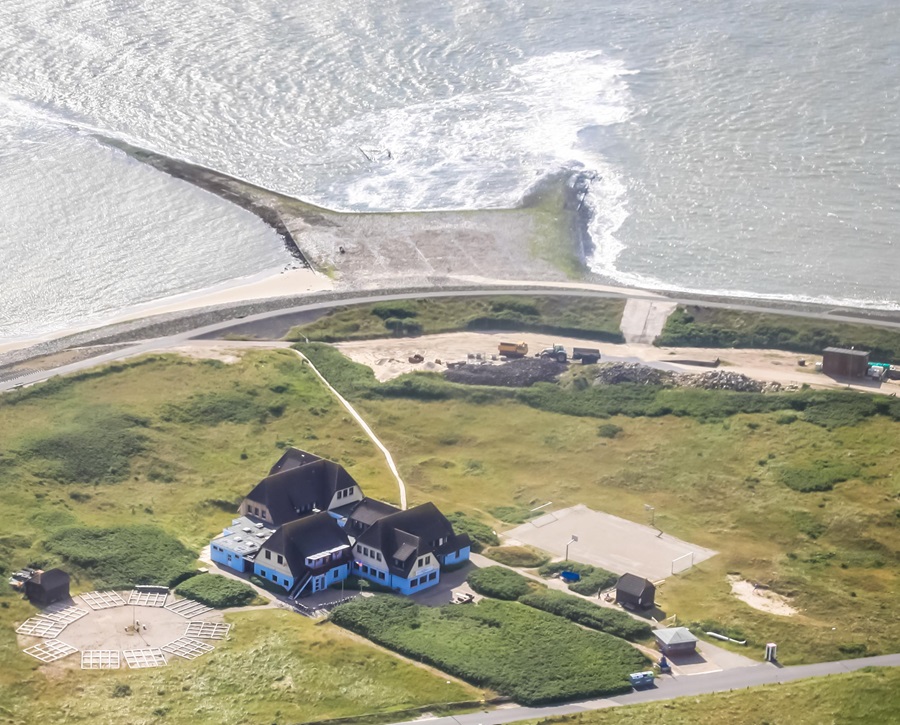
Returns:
point(717, 484)
point(590, 317)
point(173, 445)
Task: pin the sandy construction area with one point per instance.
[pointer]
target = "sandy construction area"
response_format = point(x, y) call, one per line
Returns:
point(762, 599)
point(390, 357)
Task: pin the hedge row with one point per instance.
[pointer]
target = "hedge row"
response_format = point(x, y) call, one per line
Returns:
point(500, 583)
point(216, 591)
point(529, 655)
point(611, 621)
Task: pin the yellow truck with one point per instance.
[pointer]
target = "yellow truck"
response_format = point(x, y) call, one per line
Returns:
point(513, 349)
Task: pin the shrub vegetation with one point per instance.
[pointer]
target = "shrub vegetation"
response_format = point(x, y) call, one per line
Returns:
point(500, 583)
point(481, 534)
point(611, 621)
point(694, 326)
point(498, 645)
point(121, 556)
point(587, 317)
point(521, 556)
point(216, 591)
point(593, 579)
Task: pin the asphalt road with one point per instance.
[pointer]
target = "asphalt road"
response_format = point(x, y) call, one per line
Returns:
point(668, 688)
point(269, 318)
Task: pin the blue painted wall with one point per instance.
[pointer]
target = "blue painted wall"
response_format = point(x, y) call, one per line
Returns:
point(264, 572)
point(457, 556)
point(227, 558)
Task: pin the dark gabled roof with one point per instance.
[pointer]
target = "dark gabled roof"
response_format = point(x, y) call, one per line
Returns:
point(368, 511)
point(294, 491)
point(300, 539)
point(405, 535)
point(292, 458)
point(634, 585)
point(50, 579)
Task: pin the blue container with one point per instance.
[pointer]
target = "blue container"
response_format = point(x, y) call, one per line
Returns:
point(570, 576)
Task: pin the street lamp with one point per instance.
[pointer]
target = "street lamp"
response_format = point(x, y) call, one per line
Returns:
point(573, 540)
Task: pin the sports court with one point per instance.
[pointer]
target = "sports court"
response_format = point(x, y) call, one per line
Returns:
point(609, 542)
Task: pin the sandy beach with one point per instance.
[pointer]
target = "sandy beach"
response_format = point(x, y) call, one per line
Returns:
point(266, 285)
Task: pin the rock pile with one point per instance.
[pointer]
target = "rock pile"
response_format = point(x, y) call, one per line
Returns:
point(725, 380)
point(620, 372)
point(616, 373)
point(520, 373)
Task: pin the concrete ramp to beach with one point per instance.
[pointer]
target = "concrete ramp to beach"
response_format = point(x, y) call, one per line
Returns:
point(643, 320)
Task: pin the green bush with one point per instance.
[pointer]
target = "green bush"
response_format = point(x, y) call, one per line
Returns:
point(521, 556)
point(121, 556)
point(593, 579)
point(97, 448)
point(481, 534)
point(582, 612)
point(822, 476)
point(513, 514)
point(529, 655)
point(609, 430)
point(400, 310)
point(216, 591)
point(269, 586)
point(499, 583)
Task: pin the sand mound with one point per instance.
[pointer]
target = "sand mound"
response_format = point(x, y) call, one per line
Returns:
point(760, 598)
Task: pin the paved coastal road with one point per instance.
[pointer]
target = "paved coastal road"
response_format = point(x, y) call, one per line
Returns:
point(161, 343)
point(669, 688)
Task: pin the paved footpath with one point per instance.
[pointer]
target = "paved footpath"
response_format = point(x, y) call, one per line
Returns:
point(669, 688)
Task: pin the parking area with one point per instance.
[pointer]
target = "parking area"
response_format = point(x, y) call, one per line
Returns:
point(609, 542)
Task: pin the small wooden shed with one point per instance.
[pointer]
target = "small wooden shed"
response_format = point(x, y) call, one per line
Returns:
point(841, 363)
point(675, 640)
point(635, 592)
point(46, 587)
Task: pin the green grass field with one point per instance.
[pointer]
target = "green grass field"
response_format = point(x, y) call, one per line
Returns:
point(197, 454)
point(278, 667)
point(859, 698)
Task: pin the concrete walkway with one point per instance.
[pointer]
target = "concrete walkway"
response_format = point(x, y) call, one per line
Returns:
point(643, 319)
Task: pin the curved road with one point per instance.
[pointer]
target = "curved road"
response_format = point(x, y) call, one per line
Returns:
point(162, 343)
point(668, 688)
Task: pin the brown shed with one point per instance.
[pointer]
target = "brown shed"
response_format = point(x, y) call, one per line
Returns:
point(840, 363)
point(635, 592)
point(46, 587)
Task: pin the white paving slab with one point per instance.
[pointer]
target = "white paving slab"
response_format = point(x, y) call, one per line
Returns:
point(188, 608)
point(188, 648)
point(207, 630)
point(138, 659)
point(100, 659)
point(102, 600)
point(50, 650)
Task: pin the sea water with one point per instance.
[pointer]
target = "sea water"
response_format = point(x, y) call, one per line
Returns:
point(740, 147)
